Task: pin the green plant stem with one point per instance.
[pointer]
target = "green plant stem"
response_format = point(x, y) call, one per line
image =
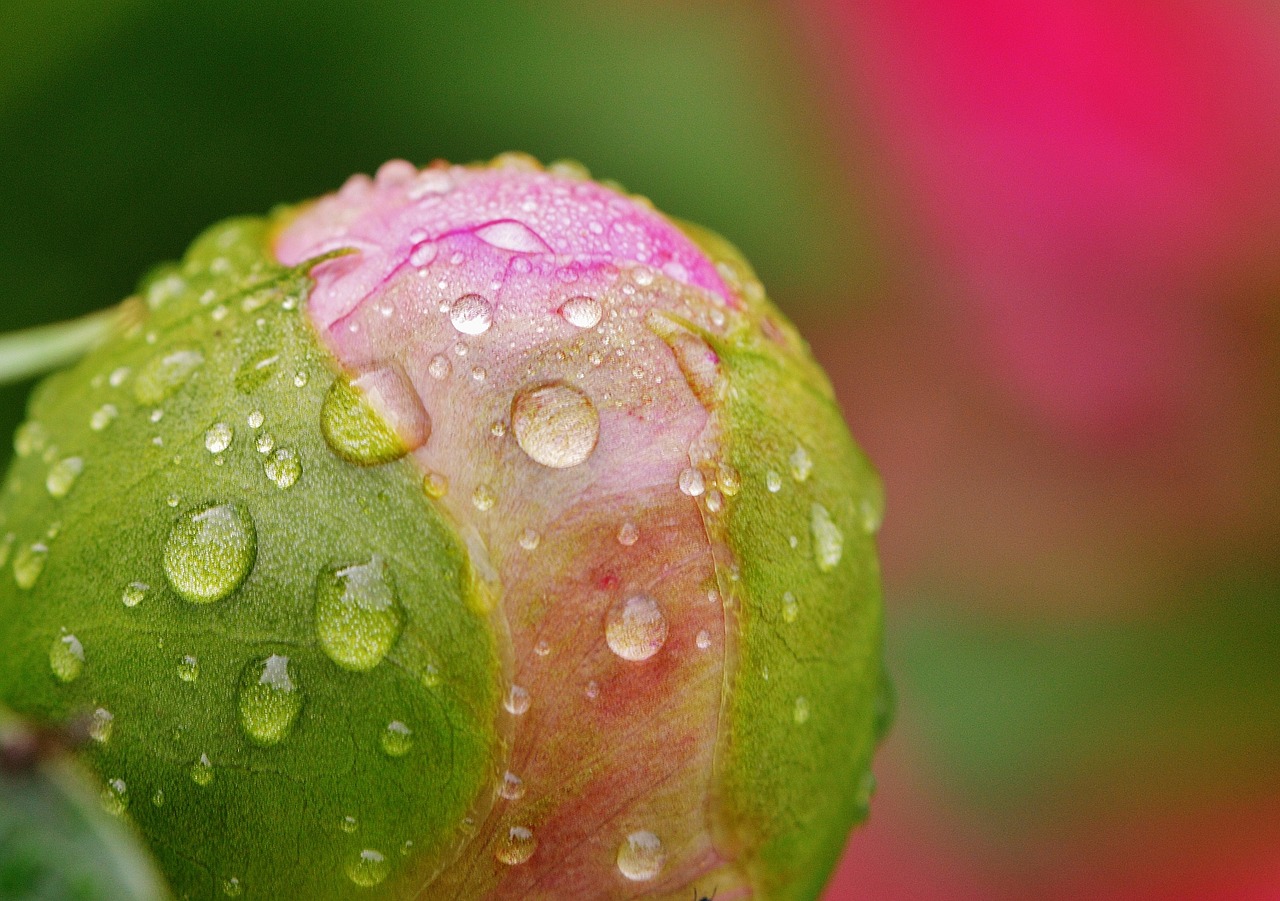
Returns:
point(31, 352)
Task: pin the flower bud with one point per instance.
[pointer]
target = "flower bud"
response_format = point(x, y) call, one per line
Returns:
point(473, 532)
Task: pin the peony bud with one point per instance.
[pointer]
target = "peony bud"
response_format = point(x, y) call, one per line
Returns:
point(473, 532)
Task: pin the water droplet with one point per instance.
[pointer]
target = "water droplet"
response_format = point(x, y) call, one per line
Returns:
point(283, 467)
point(358, 614)
point(256, 372)
point(801, 464)
point(715, 501)
point(423, 254)
point(583, 311)
point(375, 418)
point(828, 540)
point(30, 438)
point(232, 888)
point(529, 540)
point(517, 846)
point(103, 417)
point(265, 443)
point(349, 824)
point(66, 657)
point(156, 415)
point(397, 739)
point(369, 869)
point(509, 234)
point(269, 700)
point(157, 799)
point(483, 498)
point(62, 476)
point(773, 482)
point(28, 564)
point(635, 628)
point(439, 367)
point(471, 314)
point(728, 479)
point(115, 797)
point(871, 512)
point(218, 437)
point(164, 374)
point(134, 593)
point(256, 419)
point(202, 771)
point(189, 668)
point(790, 607)
point(512, 787)
point(692, 483)
point(517, 700)
point(542, 648)
point(628, 534)
point(801, 712)
point(300, 378)
point(210, 552)
point(101, 725)
point(478, 373)
point(435, 485)
point(640, 856)
point(555, 424)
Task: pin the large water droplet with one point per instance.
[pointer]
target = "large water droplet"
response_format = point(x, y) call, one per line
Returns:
point(283, 467)
point(583, 311)
point(210, 552)
point(397, 739)
point(66, 657)
point(635, 628)
point(471, 314)
point(269, 700)
point(517, 846)
point(101, 725)
point(62, 476)
point(358, 614)
point(555, 424)
point(369, 869)
point(164, 374)
point(828, 540)
point(202, 771)
point(218, 437)
point(641, 856)
point(374, 418)
point(28, 564)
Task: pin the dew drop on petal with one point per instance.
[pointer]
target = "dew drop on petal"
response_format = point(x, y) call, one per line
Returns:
point(512, 787)
point(583, 312)
point(218, 437)
point(210, 552)
point(397, 739)
point(66, 658)
point(828, 540)
point(269, 700)
point(692, 483)
point(358, 615)
point(517, 700)
point(369, 868)
point(635, 628)
point(801, 464)
point(471, 314)
point(202, 771)
point(134, 593)
point(28, 564)
point(517, 846)
point(101, 725)
point(555, 424)
point(641, 856)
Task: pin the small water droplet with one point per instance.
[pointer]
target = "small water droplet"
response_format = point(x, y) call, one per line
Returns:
point(435, 485)
point(134, 593)
point(62, 476)
point(728, 479)
point(103, 417)
point(397, 739)
point(483, 498)
point(270, 700)
point(471, 314)
point(801, 712)
point(635, 628)
point(349, 824)
point(517, 846)
point(773, 482)
point(374, 418)
point(439, 367)
point(218, 437)
point(508, 234)
point(828, 540)
point(715, 501)
point(542, 648)
point(115, 797)
point(871, 512)
point(157, 799)
point(801, 464)
point(529, 540)
point(641, 856)
point(210, 552)
point(369, 869)
point(592, 691)
point(30, 438)
point(790, 607)
point(692, 483)
point(582, 311)
point(423, 254)
point(517, 700)
point(164, 374)
point(628, 534)
point(555, 424)
point(358, 615)
point(512, 787)
point(300, 378)
point(283, 467)
point(202, 771)
point(703, 640)
point(189, 668)
point(256, 419)
point(232, 888)
point(28, 564)
point(118, 376)
point(101, 725)
point(265, 443)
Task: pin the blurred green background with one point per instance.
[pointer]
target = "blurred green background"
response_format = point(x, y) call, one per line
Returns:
point(1085, 634)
